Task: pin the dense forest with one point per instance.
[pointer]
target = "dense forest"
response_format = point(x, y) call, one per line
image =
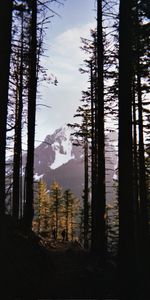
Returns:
point(53, 244)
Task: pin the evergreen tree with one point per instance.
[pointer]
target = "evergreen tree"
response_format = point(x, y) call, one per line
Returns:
point(98, 203)
point(5, 50)
point(71, 209)
point(41, 221)
point(55, 207)
point(82, 134)
point(32, 87)
point(127, 258)
point(17, 201)
point(141, 70)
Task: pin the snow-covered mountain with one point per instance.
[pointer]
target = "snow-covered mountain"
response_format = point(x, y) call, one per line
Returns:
point(61, 146)
point(56, 158)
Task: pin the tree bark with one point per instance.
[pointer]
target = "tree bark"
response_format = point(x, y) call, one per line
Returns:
point(67, 212)
point(18, 130)
point(5, 50)
point(29, 211)
point(98, 205)
point(125, 198)
point(86, 191)
point(142, 176)
point(56, 211)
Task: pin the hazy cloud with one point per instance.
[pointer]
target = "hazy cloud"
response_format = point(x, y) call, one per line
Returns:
point(65, 58)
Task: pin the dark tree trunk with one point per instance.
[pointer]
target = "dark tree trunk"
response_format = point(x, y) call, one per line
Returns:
point(29, 211)
point(17, 142)
point(86, 192)
point(142, 170)
point(5, 49)
point(142, 175)
point(67, 213)
point(71, 223)
point(93, 145)
point(98, 205)
point(56, 212)
point(92, 127)
point(126, 205)
point(135, 154)
point(135, 173)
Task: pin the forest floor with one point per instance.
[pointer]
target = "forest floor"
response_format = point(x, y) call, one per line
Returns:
point(77, 274)
point(33, 268)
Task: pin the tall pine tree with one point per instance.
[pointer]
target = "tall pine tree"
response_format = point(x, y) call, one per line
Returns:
point(32, 87)
point(127, 258)
point(5, 49)
point(99, 202)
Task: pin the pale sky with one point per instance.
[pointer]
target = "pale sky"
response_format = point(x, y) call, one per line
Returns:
point(63, 59)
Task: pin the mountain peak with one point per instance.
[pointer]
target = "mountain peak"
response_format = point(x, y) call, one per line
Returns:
point(62, 146)
point(58, 159)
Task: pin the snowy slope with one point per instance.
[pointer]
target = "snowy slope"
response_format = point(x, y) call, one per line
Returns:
point(62, 147)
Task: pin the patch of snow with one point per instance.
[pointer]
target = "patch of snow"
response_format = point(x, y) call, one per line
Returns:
point(115, 177)
point(62, 147)
point(23, 171)
point(38, 177)
point(60, 159)
point(55, 146)
point(116, 166)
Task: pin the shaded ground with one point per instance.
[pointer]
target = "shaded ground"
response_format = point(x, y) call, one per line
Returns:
point(32, 269)
point(77, 274)
point(36, 269)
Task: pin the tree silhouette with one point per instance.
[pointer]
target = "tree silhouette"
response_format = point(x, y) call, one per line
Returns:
point(127, 246)
point(5, 49)
point(98, 203)
point(19, 72)
point(32, 88)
